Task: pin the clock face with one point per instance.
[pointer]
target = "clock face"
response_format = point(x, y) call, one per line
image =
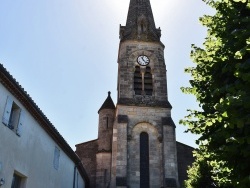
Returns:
point(143, 60)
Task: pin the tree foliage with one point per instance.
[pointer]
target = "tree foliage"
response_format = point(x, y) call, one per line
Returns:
point(221, 85)
point(200, 174)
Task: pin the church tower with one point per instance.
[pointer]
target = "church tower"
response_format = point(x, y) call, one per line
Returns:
point(136, 145)
point(144, 145)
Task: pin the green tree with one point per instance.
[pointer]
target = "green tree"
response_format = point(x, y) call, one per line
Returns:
point(221, 85)
point(204, 172)
point(200, 174)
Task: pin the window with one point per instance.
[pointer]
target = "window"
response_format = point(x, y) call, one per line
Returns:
point(142, 24)
point(144, 160)
point(148, 87)
point(143, 82)
point(13, 116)
point(107, 122)
point(56, 158)
point(18, 180)
point(138, 81)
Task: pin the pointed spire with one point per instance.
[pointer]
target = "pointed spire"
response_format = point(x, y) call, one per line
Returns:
point(108, 103)
point(140, 23)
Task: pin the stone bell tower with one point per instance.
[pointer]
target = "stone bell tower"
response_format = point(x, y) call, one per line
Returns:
point(144, 144)
point(136, 145)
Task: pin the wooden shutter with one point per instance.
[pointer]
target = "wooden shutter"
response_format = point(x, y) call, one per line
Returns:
point(56, 158)
point(7, 111)
point(137, 81)
point(20, 123)
point(148, 82)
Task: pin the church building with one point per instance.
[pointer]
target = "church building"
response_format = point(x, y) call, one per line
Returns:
point(136, 144)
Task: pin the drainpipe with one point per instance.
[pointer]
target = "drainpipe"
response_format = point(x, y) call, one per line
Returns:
point(74, 181)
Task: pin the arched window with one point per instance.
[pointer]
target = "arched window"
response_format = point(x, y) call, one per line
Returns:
point(143, 82)
point(142, 30)
point(138, 81)
point(144, 160)
point(142, 24)
point(148, 87)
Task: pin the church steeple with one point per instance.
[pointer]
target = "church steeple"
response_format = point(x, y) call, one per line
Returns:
point(108, 103)
point(136, 145)
point(140, 23)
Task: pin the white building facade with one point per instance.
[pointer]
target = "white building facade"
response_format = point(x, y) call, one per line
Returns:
point(32, 152)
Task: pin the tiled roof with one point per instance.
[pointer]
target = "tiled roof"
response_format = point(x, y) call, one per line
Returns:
point(108, 103)
point(140, 10)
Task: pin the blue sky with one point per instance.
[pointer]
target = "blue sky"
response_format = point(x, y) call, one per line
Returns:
point(64, 54)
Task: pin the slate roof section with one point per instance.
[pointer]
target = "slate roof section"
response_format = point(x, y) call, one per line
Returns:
point(137, 10)
point(168, 121)
point(16, 89)
point(108, 103)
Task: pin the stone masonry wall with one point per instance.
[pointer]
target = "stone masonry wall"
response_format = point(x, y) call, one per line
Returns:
point(105, 129)
point(119, 153)
point(87, 153)
point(149, 120)
point(170, 157)
point(114, 155)
point(128, 53)
point(103, 167)
point(185, 159)
point(155, 156)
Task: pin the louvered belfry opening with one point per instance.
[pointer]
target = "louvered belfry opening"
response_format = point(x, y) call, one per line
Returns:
point(138, 81)
point(144, 160)
point(148, 82)
point(143, 82)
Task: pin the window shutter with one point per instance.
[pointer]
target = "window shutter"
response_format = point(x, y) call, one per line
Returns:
point(7, 111)
point(20, 123)
point(137, 81)
point(56, 158)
